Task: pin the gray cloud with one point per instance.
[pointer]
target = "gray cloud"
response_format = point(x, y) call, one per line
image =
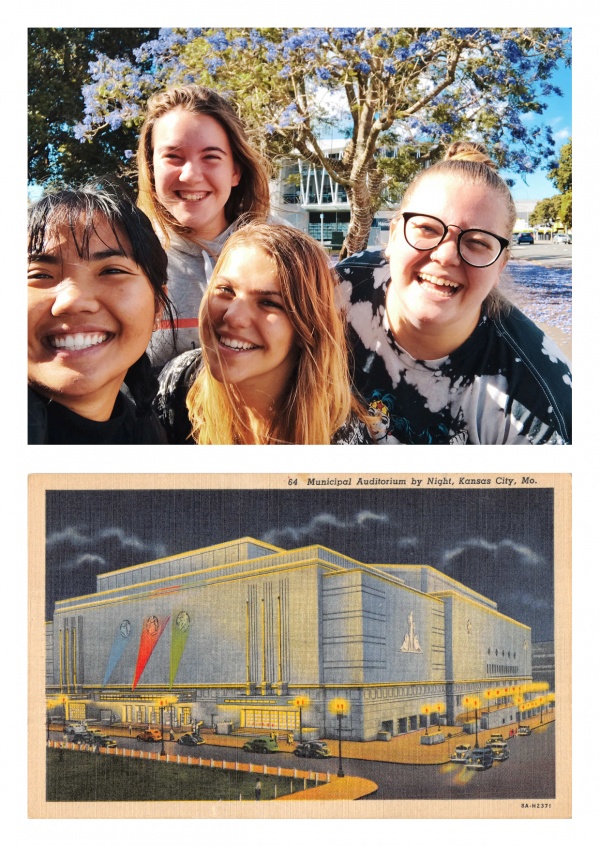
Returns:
point(297, 534)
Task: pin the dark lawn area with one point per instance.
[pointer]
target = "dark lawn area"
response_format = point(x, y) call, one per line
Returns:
point(87, 777)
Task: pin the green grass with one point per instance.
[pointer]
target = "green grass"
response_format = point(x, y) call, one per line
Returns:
point(86, 777)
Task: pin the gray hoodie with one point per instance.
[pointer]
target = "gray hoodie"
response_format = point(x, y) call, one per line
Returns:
point(189, 270)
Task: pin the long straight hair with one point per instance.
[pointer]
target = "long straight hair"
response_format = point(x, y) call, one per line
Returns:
point(318, 399)
point(250, 197)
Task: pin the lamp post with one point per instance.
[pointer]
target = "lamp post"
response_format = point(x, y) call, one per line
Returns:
point(340, 708)
point(426, 710)
point(162, 728)
point(301, 702)
point(474, 702)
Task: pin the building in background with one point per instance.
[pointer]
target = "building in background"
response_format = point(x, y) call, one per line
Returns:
point(244, 634)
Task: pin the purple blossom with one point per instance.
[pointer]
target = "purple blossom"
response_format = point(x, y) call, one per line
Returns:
point(362, 67)
point(213, 64)
point(323, 73)
point(218, 41)
point(345, 34)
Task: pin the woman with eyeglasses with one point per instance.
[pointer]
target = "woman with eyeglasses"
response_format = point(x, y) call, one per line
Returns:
point(456, 361)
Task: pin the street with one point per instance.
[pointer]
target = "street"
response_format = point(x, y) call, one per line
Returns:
point(542, 251)
point(529, 773)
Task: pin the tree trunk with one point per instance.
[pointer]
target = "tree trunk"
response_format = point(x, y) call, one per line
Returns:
point(363, 206)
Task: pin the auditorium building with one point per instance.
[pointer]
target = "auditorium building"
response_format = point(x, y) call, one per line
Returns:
point(246, 635)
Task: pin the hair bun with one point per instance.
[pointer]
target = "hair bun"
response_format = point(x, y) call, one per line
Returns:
point(469, 151)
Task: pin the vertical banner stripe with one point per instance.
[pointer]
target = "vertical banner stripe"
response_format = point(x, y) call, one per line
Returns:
point(179, 636)
point(152, 629)
point(122, 639)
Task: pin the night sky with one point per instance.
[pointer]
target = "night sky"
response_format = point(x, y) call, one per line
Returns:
point(498, 542)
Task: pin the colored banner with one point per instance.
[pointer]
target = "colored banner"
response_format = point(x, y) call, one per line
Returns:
point(179, 636)
point(121, 641)
point(152, 629)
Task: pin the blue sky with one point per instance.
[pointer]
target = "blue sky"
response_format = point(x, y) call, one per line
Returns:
point(558, 116)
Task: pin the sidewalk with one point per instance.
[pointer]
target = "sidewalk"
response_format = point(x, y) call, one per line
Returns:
point(349, 788)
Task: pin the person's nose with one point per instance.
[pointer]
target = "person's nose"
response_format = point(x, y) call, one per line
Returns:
point(238, 313)
point(74, 296)
point(191, 171)
point(446, 252)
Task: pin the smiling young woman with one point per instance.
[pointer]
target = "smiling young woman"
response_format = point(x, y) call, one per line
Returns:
point(197, 176)
point(273, 365)
point(452, 361)
point(96, 276)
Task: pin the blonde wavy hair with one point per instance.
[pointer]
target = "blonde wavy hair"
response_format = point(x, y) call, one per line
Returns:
point(469, 161)
point(319, 399)
point(250, 197)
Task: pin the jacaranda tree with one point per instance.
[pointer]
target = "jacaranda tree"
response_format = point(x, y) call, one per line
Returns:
point(411, 89)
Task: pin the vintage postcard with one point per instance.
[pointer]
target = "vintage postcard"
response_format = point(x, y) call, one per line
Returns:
point(300, 646)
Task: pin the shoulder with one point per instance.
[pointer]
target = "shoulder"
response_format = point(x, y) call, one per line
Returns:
point(544, 371)
point(37, 418)
point(366, 258)
point(180, 372)
point(174, 382)
point(363, 276)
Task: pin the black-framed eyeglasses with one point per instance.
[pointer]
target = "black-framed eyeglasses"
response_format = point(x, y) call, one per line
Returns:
point(476, 247)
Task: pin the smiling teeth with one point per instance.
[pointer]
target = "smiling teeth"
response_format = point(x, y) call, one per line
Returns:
point(78, 341)
point(199, 196)
point(435, 280)
point(237, 345)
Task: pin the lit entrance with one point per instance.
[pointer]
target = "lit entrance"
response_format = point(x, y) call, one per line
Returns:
point(270, 718)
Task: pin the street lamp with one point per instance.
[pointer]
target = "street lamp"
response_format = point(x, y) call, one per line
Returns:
point(301, 702)
point(167, 702)
point(473, 702)
point(426, 710)
point(340, 708)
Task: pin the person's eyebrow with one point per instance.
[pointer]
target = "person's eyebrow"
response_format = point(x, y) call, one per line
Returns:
point(99, 255)
point(258, 293)
point(110, 252)
point(168, 148)
point(46, 258)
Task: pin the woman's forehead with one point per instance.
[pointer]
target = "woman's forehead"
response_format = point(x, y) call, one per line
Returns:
point(88, 234)
point(458, 200)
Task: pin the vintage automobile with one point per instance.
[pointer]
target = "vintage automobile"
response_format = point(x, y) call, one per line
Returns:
point(496, 738)
point(461, 753)
point(312, 749)
point(150, 735)
point(261, 744)
point(103, 740)
point(480, 759)
point(523, 731)
point(190, 740)
point(500, 750)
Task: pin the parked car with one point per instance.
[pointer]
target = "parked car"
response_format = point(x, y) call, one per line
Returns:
point(461, 753)
point(562, 238)
point(496, 738)
point(150, 735)
point(480, 759)
point(190, 740)
point(312, 749)
point(525, 238)
point(103, 740)
point(261, 744)
point(500, 750)
point(523, 731)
